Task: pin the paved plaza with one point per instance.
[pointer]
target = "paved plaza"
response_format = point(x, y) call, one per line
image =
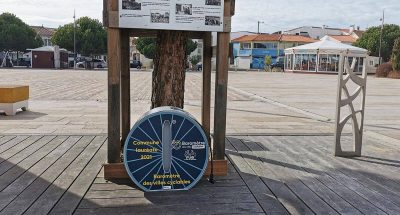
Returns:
point(279, 148)
point(75, 102)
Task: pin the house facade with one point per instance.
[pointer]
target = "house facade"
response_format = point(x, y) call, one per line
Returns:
point(250, 51)
point(45, 33)
point(320, 32)
point(314, 32)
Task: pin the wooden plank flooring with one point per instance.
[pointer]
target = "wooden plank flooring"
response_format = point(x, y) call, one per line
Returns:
point(267, 175)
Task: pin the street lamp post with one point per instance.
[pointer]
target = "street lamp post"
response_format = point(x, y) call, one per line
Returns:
point(74, 40)
point(381, 37)
point(258, 26)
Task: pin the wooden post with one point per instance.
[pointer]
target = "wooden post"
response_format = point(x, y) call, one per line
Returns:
point(206, 98)
point(221, 89)
point(114, 80)
point(125, 85)
point(119, 86)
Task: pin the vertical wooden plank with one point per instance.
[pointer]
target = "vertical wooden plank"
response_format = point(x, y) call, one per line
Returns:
point(125, 85)
point(114, 80)
point(206, 99)
point(221, 89)
point(112, 5)
point(114, 111)
point(105, 13)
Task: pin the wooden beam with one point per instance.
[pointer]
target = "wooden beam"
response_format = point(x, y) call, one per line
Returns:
point(110, 14)
point(125, 85)
point(153, 33)
point(118, 171)
point(206, 98)
point(105, 13)
point(114, 111)
point(233, 7)
point(114, 80)
point(221, 89)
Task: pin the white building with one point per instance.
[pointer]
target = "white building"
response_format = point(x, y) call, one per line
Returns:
point(314, 32)
point(320, 32)
point(323, 57)
point(45, 33)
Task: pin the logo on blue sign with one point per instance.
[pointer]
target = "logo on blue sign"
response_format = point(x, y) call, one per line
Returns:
point(166, 150)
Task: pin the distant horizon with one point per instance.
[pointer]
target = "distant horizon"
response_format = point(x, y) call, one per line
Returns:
point(277, 15)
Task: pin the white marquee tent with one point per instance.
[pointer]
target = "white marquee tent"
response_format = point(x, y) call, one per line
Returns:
point(322, 56)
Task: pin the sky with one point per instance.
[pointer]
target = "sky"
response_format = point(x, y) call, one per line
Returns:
point(276, 14)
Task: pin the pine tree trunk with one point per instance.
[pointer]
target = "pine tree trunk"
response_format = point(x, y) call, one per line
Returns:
point(169, 69)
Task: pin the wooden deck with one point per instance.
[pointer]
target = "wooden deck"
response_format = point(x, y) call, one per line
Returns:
point(267, 175)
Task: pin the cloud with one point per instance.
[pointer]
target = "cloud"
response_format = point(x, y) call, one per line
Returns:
point(281, 15)
point(52, 13)
point(276, 14)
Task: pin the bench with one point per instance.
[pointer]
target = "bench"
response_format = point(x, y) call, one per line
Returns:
point(13, 97)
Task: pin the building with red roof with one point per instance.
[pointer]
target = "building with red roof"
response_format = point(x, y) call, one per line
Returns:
point(45, 33)
point(250, 51)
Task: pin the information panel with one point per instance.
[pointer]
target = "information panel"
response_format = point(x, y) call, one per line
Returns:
point(166, 150)
point(189, 15)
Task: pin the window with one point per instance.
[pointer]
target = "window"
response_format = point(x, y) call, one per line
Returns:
point(288, 62)
point(313, 62)
point(323, 59)
point(245, 46)
point(297, 62)
point(265, 45)
point(371, 63)
point(333, 63)
point(359, 63)
point(304, 62)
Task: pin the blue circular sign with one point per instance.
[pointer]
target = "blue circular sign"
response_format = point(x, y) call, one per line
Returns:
point(166, 150)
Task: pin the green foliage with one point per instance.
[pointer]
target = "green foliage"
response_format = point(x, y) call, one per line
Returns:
point(396, 55)
point(268, 60)
point(147, 46)
point(91, 37)
point(190, 46)
point(371, 38)
point(15, 35)
point(195, 59)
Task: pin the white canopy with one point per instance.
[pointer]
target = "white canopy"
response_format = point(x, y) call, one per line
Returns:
point(326, 45)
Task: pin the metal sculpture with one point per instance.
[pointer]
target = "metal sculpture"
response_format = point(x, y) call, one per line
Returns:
point(347, 74)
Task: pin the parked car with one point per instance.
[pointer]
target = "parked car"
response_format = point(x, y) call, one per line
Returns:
point(278, 64)
point(24, 62)
point(94, 63)
point(136, 64)
point(199, 67)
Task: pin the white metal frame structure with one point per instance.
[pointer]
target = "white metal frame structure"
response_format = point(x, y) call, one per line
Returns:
point(345, 99)
point(322, 56)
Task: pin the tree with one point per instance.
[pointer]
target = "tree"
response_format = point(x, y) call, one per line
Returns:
point(169, 69)
point(91, 37)
point(15, 35)
point(267, 63)
point(268, 60)
point(396, 55)
point(195, 59)
point(371, 38)
point(147, 46)
point(169, 51)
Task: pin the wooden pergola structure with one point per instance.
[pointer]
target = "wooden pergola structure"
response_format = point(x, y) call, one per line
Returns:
point(119, 103)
